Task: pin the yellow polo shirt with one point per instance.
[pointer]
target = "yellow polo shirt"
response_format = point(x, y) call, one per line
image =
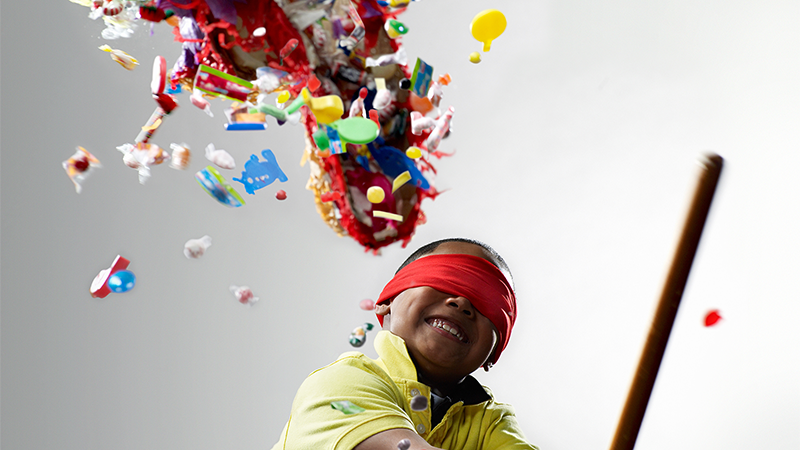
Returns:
point(384, 388)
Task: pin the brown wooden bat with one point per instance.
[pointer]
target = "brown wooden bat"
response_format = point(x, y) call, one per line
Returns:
point(632, 414)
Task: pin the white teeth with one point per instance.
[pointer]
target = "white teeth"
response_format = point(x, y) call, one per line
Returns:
point(439, 324)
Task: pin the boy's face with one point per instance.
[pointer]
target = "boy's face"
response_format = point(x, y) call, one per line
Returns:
point(427, 319)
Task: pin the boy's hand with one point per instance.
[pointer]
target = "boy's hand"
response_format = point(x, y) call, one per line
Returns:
point(389, 440)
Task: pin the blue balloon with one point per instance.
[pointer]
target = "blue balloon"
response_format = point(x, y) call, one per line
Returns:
point(121, 281)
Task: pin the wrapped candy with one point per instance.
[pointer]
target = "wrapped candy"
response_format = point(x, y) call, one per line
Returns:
point(79, 166)
point(123, 59)
point(195, 248)
point(359, 335)
point(180, 156)
point(141, 156)
point(243, 295)
point(220, 157)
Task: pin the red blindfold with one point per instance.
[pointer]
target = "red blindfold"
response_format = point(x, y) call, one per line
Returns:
point(471, 277)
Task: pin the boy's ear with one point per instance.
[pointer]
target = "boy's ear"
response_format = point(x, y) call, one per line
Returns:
point(383, 309)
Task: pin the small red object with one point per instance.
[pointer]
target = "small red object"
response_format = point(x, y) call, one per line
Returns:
point(166, 102)
point(280, 195)
point(313, 83)
point(373, 116)
point(99, 288)
point(81, 163)
point(159, 80)
point(712, 317)
point(330, 196)
point(291, 44)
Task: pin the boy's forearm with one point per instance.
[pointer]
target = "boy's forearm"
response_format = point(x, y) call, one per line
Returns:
point(389, 440)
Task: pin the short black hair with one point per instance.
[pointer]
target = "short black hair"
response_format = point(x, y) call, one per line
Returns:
point(495, 257)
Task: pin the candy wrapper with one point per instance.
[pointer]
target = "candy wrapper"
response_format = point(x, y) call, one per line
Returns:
point(79, 166)
point(243, 295)
point(326, 55)
point(195, 248)
point(359, 335)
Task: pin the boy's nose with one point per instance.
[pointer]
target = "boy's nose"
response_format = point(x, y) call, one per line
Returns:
point(462, 304)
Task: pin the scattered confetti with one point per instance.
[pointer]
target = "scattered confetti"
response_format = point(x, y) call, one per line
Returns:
point(195, 248)
point(712, 317)
point(347, 407)
point(243, 294)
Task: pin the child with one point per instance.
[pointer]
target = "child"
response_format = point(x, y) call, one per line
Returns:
point(448, 310)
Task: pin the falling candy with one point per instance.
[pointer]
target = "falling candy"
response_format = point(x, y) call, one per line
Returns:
point(200, 102)
point(375, 194)
point(280, 195)
point(420, 123)
point(474, 57)
point(180, 156)
point(123, 59)
point(394, 29)
point(326, 197)
point(195, 248)
point(141, 156)
point(284, 97)
point(79, 165)
point(359, 335)
point(215, 185)
point(347, 407)
point(100, 288)
point(260, 31)
point(244, 295)
point(400, 180)
point(419, 403)
point(121, 281)
point(220, 157)
point(291, 44)
point(442, 127)
point(414, 152)
point(367, 304)
point(712, 317)
point(387, 215)
point(487, 26)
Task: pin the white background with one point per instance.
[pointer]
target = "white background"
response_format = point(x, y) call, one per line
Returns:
point(576, 144)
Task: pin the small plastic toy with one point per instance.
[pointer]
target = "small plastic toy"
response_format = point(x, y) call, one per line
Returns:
point(195, 248)
point(259, 174)
point(366, 304)
point(180, 156)
point(326, 109)
point(375, 194)
point(487, 26)
point(216, 186)
point(422, 78)
point(121, 281)
point(712, 318)
point(220, 157)
point(347, 407)
point(243, 294)
point(79, 166)
point(99, 287)
point(123, 59)
point(359, 335)
point(419, 403)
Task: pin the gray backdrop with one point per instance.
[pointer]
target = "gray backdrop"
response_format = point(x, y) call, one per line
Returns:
point(576, 140)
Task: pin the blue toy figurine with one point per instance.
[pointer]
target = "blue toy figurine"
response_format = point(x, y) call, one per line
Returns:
point(259, 174)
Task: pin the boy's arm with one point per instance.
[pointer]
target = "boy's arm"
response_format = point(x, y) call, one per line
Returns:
point(388, 440)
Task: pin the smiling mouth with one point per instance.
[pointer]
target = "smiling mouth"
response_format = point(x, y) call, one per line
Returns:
point(449, 327)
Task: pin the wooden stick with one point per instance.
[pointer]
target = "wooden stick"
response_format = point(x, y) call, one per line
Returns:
point(632, 414)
